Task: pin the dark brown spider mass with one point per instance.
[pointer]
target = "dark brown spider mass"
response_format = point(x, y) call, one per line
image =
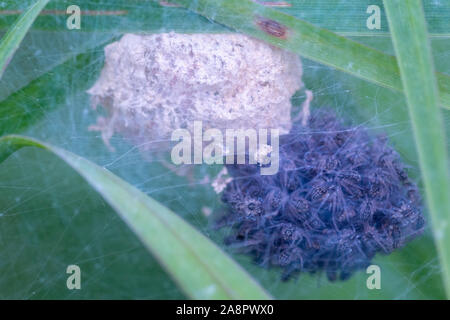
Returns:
point(338, 198)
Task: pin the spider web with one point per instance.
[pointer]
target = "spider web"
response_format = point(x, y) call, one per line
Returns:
point(50, 218)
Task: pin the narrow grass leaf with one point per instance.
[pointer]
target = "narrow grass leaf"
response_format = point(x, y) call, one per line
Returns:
point(307, 40)
point(198, 266)
point(347, 18)
point(409, 35)
point(12, 39)
point(19, 112)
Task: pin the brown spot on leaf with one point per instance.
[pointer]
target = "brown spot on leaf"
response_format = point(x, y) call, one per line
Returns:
point(271, 27)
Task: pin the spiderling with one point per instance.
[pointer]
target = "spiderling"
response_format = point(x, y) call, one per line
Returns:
point(339, 197)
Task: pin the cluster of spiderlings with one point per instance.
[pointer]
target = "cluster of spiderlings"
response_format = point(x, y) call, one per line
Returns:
point(338, 198)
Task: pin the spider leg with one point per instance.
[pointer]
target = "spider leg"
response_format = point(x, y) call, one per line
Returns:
point(333, 211)
point(323, 201)
point(378, 242)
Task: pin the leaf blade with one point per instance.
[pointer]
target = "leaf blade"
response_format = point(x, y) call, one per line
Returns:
point(307, 40)
point(12, 39)
point(197, 265)
point(409, 35)
point(345, 18)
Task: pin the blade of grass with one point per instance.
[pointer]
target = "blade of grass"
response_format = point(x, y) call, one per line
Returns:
point(343, 17)
point(41, 52)
point(307, 40)
point(19, 112)
point(198, 266)
point(350, 56)
point(409, 35)
point(12, 39)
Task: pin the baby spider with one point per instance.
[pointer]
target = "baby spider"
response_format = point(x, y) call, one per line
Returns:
point(297, 206)
point(379, 184)
point(367, 209)
point(319, 189)
point(273, 200)
point(253, 188)
point(328, 196)
point(349, 182)
point(290, 256)
point(374, 239)
point(293, 235)
point(328, 164)
point(289, 175)
point(250, 208)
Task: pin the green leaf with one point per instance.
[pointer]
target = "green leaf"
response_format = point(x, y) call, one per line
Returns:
point(409, 35)
point(307, 40)
point(198, 266)
point(28, 105)
point(343, 17)
point(11, 41)
point(42, 52)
